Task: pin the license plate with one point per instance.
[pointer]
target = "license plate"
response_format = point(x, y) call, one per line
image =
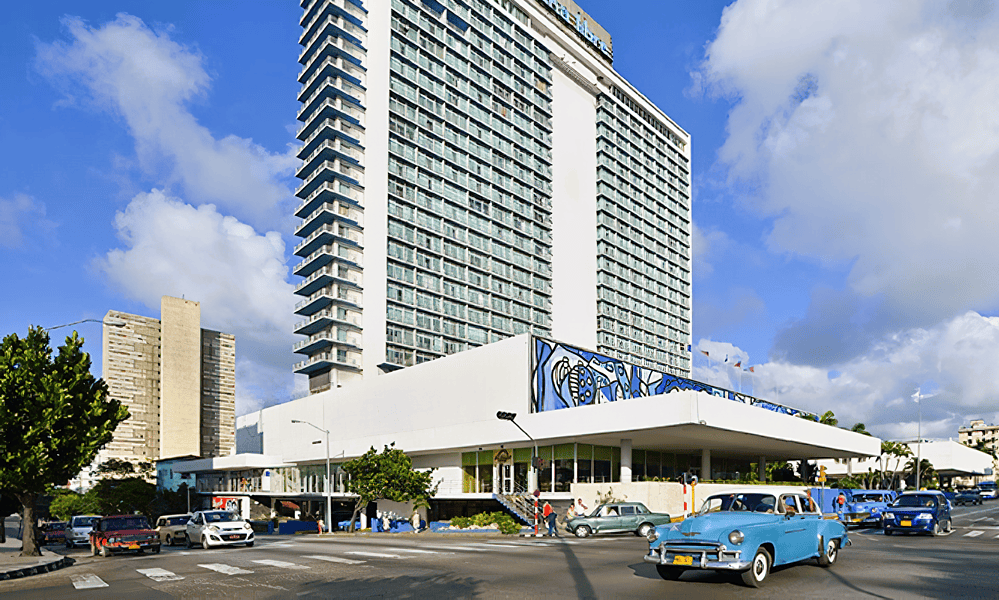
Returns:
point(683, 560)
point(133, 546)
point(232, 537)
point(906, 523)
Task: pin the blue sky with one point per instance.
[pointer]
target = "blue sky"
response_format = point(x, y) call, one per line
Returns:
point(845, 177)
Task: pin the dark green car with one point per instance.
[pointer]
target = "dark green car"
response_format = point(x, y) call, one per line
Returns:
point(615, 518)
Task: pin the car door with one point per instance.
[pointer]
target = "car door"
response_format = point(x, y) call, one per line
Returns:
point(799, 532)
point(628, 521)
point(194, 527)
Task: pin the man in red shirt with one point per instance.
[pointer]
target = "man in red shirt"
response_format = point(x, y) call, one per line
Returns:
point(549, 515)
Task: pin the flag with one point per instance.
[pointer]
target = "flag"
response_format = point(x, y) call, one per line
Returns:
point(726, 358)
point(689, 348)
point(752, 369)
point(738, 364)
point(705, 353)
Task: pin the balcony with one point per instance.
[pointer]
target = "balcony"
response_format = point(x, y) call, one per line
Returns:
point(331, 150)
point(328, 213)
point(314, 343)
point(329, 127)
point(319, 279)
point(317, 322)
point(330, 170)
point(330, 62)
point(325, 235)
point(328, 193)
point(314, 303)
point(323, 18)
point(332, 108)
point(316, 103)
point(325, 361)
point(329, 85)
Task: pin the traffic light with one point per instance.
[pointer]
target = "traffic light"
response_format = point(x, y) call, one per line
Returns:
point(822, 474)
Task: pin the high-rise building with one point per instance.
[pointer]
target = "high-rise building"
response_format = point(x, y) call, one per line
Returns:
point(476, 169)
point(177, 380)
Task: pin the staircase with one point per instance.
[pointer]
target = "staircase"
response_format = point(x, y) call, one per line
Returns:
point(520, 504)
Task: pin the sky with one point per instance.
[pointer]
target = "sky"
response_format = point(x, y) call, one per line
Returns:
point(845, 179)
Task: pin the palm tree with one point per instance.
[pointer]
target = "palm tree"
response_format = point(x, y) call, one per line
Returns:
point(860, 428)
point(828, 418)
point(927, 474)
point(897, 451)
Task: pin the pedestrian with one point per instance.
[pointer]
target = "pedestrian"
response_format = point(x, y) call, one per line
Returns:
point(840, 504)
point(549, 515)
point(581, 508)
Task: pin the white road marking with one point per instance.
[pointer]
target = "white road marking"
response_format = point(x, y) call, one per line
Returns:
point(336, 559)
point(226, 569)
point(160, 574)
point(87, 581)
point(502, 545)
point(414, 550)
point(374, 554)
point(280, 564)
point(466, 548)
point(973, 533)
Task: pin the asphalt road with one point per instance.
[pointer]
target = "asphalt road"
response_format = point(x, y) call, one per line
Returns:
point(961, 565)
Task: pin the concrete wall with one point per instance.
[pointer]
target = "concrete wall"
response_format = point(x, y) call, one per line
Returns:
point(131, 368)
point(180, 378)
point(574, 212)
point(218, 393)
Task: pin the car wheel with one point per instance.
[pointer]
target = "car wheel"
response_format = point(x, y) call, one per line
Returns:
point(950, 526)
point(155, 549)
point(169, 541)
point(105, 552)
point(758, 569)
point(583, 531)
point(827, 555)
point(669, 573)
point(69, 545)
point(204, 543)
point(936, 529)
point(644, 529)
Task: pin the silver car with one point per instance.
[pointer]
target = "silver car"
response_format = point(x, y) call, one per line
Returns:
point(210, 528)
point(78, 530)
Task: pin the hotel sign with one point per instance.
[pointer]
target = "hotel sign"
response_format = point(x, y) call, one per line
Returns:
point(578, 22)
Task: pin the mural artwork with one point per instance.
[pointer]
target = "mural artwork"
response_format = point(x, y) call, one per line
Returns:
point(565, 377)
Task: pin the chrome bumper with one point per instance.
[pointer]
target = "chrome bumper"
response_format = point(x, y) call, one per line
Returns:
point(657, 557)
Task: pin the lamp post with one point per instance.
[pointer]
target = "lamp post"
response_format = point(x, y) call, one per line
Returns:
point(919, 435)
point(108, 323)
point(329, 499)
point(509, 416)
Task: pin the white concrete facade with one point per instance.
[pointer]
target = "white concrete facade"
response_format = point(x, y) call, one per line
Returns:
point(948, 458)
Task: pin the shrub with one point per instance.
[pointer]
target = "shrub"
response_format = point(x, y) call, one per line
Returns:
point(502, 520)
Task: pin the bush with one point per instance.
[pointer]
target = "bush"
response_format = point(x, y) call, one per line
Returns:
point(502, 520)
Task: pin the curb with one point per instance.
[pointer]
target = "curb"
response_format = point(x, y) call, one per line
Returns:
point(38, 568)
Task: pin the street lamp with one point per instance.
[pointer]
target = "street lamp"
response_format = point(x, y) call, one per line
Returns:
point(919, 435)
point(329, 499)
point(114, 323)
point(509, 416)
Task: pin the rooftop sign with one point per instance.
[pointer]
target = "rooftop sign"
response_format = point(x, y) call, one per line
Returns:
point(597, 37)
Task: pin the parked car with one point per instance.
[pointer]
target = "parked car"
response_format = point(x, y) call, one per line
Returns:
point(968, 497)
point(79, 528)
point(617, 517)
point(123, 533)
point(919, 512)
point(53, 532)
point(865, 507)
point(172, 528)
point(218, 528)
point(747, 532)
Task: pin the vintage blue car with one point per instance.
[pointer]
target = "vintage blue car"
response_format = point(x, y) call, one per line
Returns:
point(919, 512)
point(865, 507)
point(748, 532)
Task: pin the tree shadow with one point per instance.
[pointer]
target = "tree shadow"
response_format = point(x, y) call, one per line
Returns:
point(403, 586)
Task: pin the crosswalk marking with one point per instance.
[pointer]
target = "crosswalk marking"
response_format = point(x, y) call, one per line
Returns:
point(374, 554)
point(336, 559)
point(413, 550)
point(466, 548)
point(160, 574)
point(280, 564)
point(226, 569)
point(87, 581)
point(973, 533)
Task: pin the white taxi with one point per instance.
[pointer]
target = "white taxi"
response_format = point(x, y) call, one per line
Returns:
point(210, 528)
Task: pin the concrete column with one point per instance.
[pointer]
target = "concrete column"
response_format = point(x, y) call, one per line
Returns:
point(706, 464)
point(763, 468)
point(625, 461)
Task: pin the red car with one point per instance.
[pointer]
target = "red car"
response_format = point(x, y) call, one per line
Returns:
point(123, 533)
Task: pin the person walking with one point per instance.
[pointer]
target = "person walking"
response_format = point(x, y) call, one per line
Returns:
point(549, 514)
point(840, 504)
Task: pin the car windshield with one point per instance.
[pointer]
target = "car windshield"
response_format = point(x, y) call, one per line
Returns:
point(178, 520)
point(916, 500)
point(868, 498)
point(123, 523)
point(739, 503)
point(85, 521)
point(219, 516)
point(55, 526)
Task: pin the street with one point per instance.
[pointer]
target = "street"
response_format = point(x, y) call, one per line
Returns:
point(961, 565)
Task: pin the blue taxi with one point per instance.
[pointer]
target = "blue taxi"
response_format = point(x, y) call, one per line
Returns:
point(926, 511)
point(748, 532)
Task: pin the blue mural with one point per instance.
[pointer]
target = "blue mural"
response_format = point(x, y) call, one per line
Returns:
point(565, 377)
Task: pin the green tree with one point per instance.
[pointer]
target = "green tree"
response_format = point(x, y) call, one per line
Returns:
point(388, 474)
point(116, 468)
point(54, 415)
point(927, 474)
point(828, 418)
point(65, 505)
point(124, 496)
point(860, 428)
point(896, 451)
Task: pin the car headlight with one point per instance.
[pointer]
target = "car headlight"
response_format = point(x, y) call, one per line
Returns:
point(924, 516)
point(889, 516)
point(213, 529)
point(247, 526)
point(875, 509)
point(652, 535)
point(736, 537)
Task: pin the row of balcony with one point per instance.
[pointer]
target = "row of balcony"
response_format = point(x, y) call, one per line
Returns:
point(317, 22)
point(325, 276)
point(332, 189)
point(330, 169)
point(336, 63)
point(324, 255)
point(324, 318)
point(328, 146)
point(326, 361)
point(330, 212)
point(327, 233)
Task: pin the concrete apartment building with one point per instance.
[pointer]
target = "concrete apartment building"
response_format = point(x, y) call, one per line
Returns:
point(977, 431)
point(477, 170)
point(177, 380)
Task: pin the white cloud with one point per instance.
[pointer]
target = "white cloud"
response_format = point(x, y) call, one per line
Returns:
point(707, 245)
point(955, 361)
point(148, 80)
point(872, 131)
point(17, 214)
point(238, 275)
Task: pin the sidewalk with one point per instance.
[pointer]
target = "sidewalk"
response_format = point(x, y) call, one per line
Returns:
point(13, 566)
